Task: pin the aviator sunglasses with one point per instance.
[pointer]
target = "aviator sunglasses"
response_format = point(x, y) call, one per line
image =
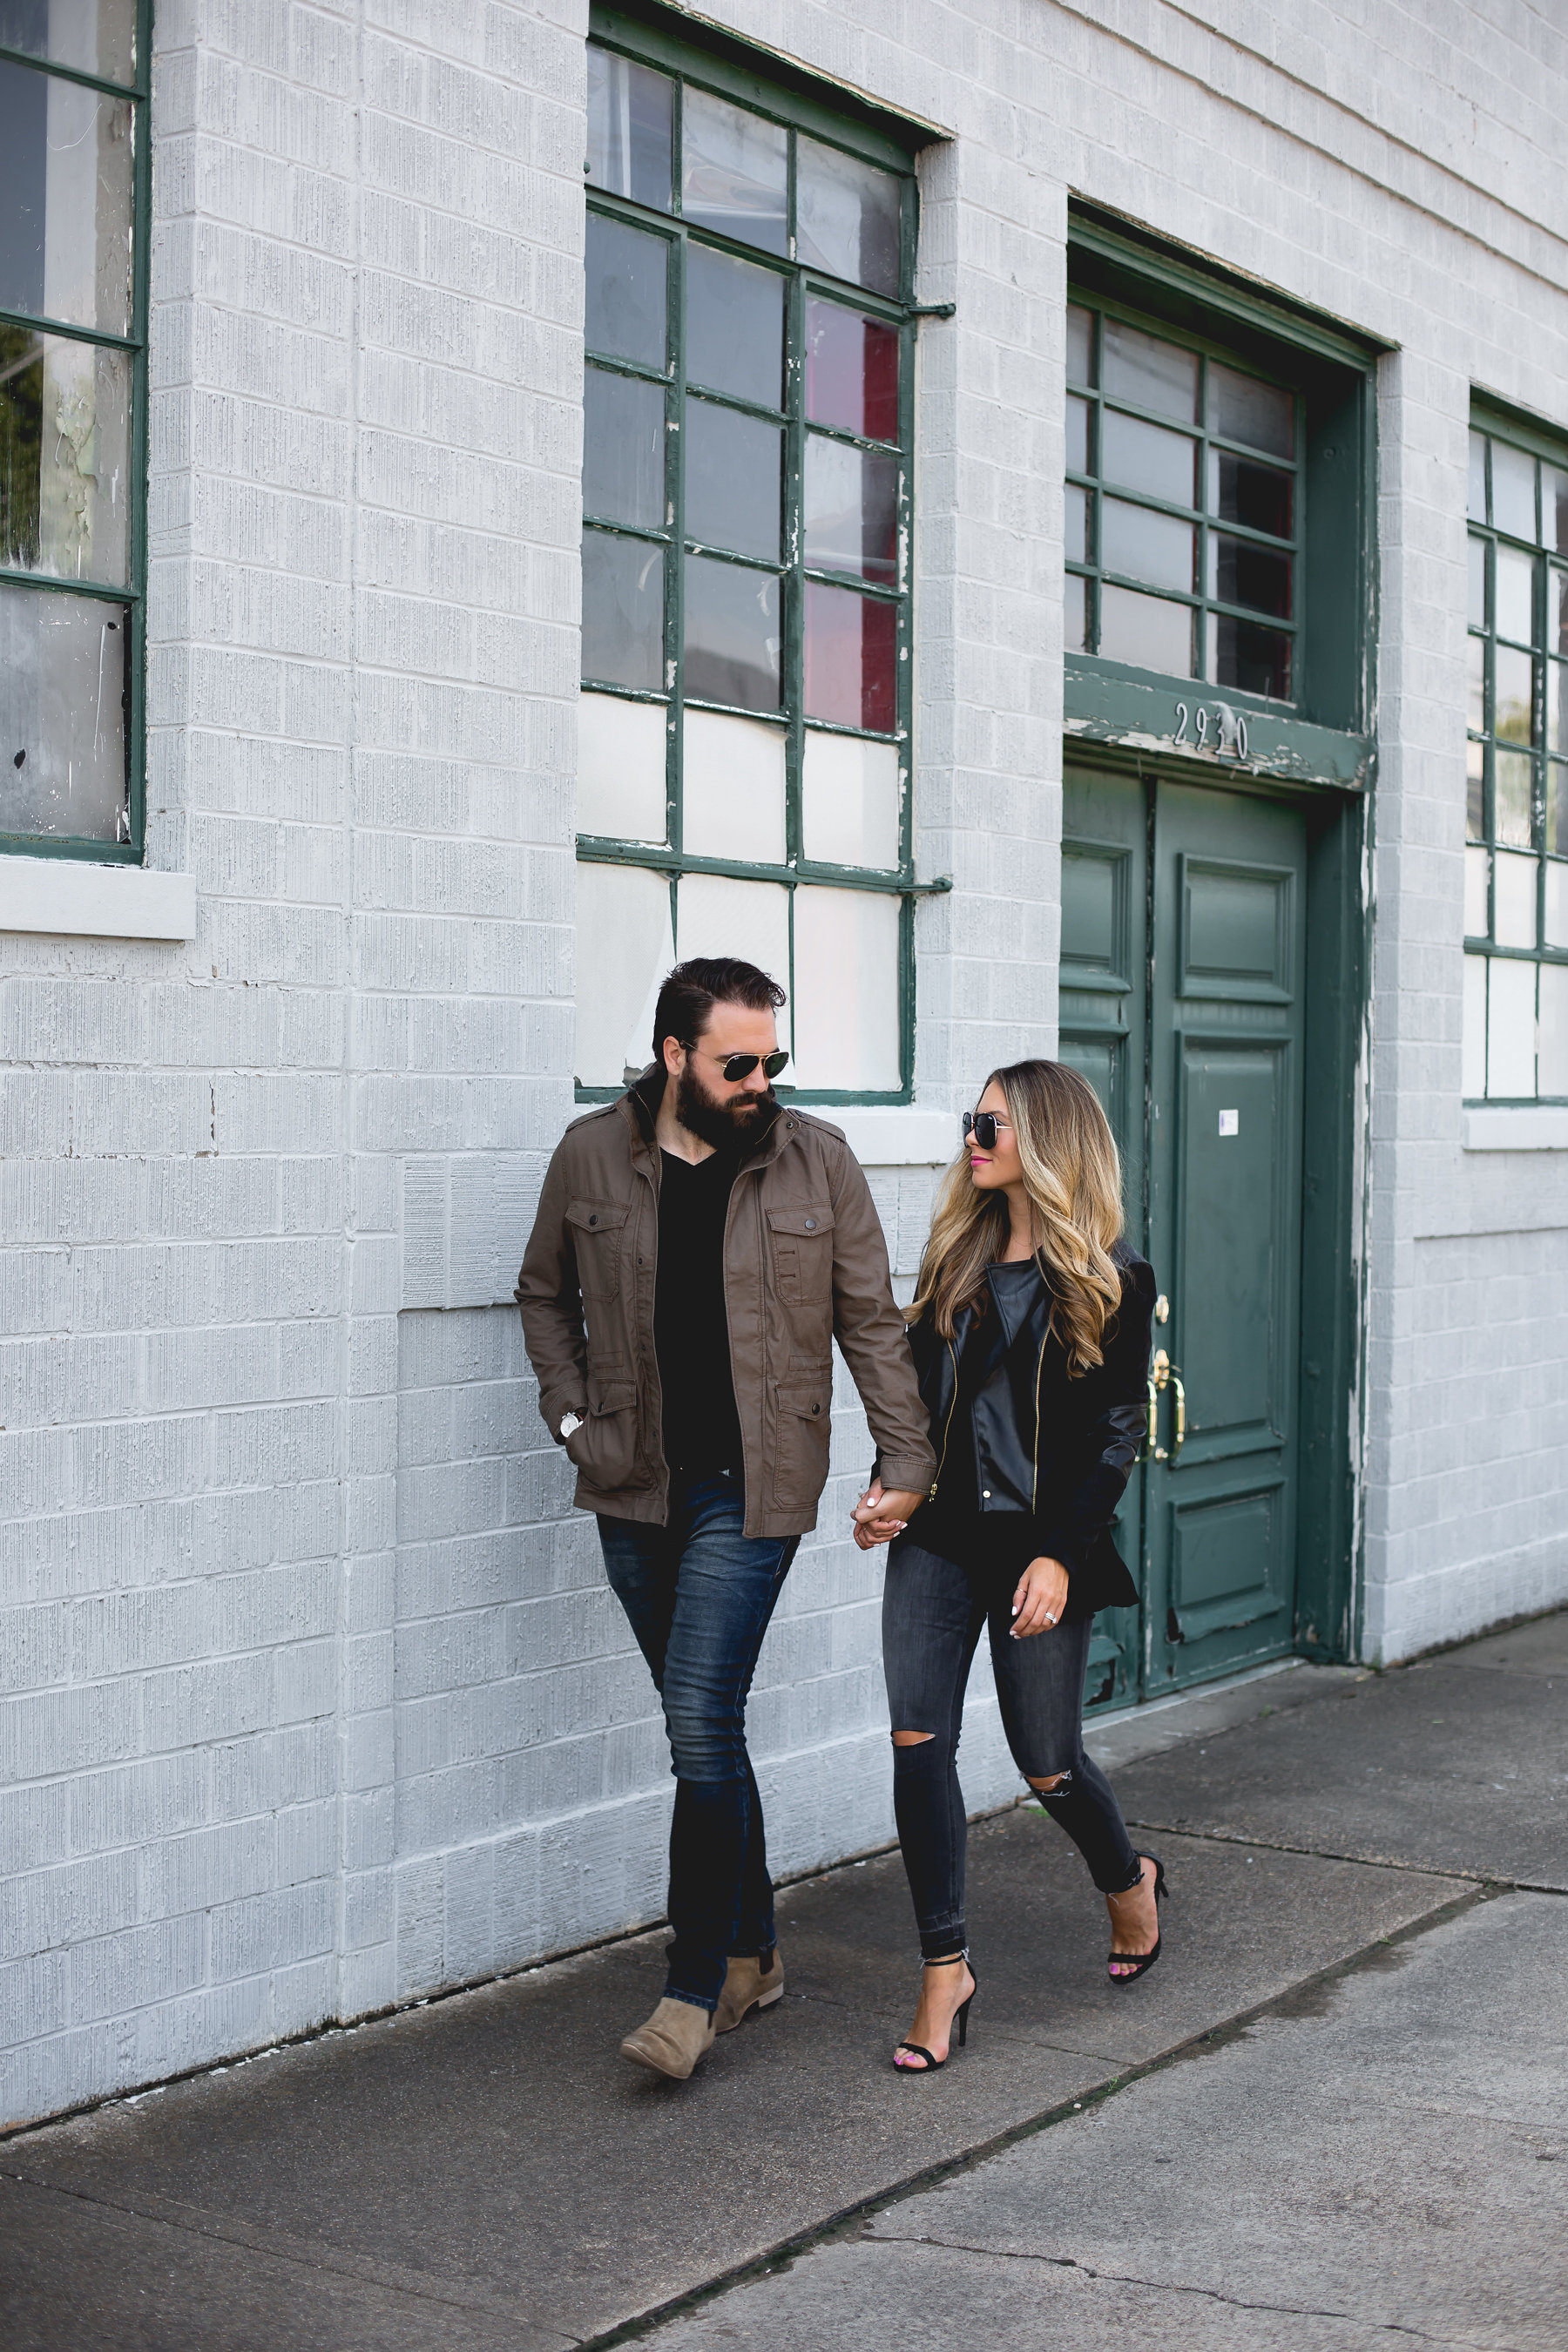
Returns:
point(980, 1126)
point(736, 1066)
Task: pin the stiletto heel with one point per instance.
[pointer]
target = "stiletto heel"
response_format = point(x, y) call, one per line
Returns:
point(960, 2018)
point(1137, 1964)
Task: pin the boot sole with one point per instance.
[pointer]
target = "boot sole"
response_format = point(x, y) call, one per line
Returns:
point(656, 2065)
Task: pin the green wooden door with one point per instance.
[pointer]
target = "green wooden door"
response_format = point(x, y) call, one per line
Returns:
point(1182, 969)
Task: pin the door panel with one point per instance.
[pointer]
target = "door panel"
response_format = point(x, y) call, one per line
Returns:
point(1181, 1003)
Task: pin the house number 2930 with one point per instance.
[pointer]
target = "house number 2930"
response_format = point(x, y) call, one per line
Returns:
point(1220, 730)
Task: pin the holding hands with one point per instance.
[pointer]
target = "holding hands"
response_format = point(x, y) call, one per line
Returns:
point(880, 1516)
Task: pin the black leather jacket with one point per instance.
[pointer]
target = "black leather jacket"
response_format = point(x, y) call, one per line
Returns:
point(1057, 1449)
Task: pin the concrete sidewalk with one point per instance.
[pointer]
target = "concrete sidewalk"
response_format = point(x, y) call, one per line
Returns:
point(1369, 2137)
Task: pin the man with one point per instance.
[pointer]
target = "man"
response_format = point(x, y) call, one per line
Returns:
point(698, 1248)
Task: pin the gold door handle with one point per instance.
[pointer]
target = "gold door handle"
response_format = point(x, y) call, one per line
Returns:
point(1181, 1414)
point(1152, 1434)
point(1164, 1374)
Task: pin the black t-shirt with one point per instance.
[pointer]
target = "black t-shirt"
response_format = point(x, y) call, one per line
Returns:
point(690, 1329)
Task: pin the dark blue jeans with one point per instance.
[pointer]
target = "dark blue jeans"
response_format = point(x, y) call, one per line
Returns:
point(698, 1595)
point(933, 1613)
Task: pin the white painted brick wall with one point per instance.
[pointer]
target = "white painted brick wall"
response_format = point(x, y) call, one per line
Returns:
point(311, 1696)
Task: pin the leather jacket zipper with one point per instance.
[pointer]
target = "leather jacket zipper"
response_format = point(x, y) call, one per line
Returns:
point(1039, 1372)
point(947, 1424)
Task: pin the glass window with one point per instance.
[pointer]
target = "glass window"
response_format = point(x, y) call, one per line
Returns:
point(1184, 526)
point(73, 402)
point(1516, 870)
point(744, 760)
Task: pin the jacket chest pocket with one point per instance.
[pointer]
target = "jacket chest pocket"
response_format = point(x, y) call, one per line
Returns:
point(801, 1244)
point(598, 1228)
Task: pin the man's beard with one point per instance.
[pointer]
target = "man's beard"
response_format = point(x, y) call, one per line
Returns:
point(728, 1127)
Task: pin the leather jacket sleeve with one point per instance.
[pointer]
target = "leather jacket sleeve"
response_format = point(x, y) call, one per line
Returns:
point(1111, 1439)
point(552, 1306)
point(869, 1329)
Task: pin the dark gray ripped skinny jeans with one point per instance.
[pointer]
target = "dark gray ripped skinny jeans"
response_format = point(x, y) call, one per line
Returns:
point(933, 1613)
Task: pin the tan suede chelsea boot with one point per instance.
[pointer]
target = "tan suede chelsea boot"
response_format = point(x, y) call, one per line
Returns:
point(676, 2036)
point(748, 1986)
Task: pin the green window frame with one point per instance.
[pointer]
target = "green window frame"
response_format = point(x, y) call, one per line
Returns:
point(671, 533)
point(73, 430)
point(1262, 635)
point(1516, 821)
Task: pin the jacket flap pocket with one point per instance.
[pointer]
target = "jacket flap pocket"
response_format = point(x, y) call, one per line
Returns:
point(801, 1221)
point(611, 1396)
point(808, 1399)
point(597, 1216)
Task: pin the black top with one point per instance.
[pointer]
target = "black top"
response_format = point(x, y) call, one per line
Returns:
point(952, 1525)
point(690, 1329)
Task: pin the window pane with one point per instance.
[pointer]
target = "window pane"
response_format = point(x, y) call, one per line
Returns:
point(733, 479)
point(1513, 595)
point(1077, 436)
point(1146, 631)
point(1080, 345)
point(735, 170)
point(1076, 525)
point(851, 372)
point(1474, 1055)
point(1513, 491)
point(1241, 490)
point(1478, 590)
point(1552, 1076)
point(1243, 409)
point(1149, 373)
point(1475, 802)
point(1146, 546)
point(1513, 901)
point(1513, 684)
point(65, 457)
point(1511, 1028)
point(716, 917)
point(851, 653)
point(1557, 611)
point(849, 800)
point(1477, 502)
point(625, 292)
point(847, 990)
point(1242, 573)
point(851, 511)
point(65, 201)
point(1146, 458)
point(97, 37)
point(732, 788)
point(1512, 775)
point(1253, 660)
point(1557, 705)
point(630, 111)
point(625, 947)
point(64, 691)
point(1075, 614)
point(1555, 928)
point(734, 326)
point(732, 637)
point(846, 217)
point(1478, 875)
point(621, 768)
point(623, 449)
point(1476, 684)
point(622, 611)
point(1557, 814)
point(1554, 507)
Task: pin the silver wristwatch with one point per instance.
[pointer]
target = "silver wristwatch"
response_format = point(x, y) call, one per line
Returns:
point(569, 1421)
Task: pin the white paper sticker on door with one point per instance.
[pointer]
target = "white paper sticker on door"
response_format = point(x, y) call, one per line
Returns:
point(1230, 1122)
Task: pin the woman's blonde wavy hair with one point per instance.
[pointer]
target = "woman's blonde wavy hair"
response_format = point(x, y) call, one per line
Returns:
point(1073, 1173)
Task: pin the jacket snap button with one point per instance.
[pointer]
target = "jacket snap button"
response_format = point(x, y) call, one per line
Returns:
point(811, 1224)
point(592, 1221)
point(816, 1408)
point(985, 1493)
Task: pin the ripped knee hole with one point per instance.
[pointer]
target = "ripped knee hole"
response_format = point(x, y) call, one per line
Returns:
point(911, 1738)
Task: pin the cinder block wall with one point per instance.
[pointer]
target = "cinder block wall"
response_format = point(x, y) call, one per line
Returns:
point(312, 1697)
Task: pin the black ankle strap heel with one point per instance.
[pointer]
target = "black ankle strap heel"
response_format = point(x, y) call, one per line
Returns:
point(961, 2020)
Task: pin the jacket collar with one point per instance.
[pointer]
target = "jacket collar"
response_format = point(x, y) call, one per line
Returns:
point(639, 1107)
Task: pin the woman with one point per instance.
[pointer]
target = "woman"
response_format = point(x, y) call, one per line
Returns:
point(1030, 1330)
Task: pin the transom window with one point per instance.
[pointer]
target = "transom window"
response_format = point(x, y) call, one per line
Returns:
point(743, 743)
point(1515, 868)
point(73, 190)
point(1184, 509)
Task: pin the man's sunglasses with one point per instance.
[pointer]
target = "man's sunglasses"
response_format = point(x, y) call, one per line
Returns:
point(980, 1126)
point(736, 1066)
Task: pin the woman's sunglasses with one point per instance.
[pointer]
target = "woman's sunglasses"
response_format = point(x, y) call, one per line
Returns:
point(980, 1126)
point(736, 1066)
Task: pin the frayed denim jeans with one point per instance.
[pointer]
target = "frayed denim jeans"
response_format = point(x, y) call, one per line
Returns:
point(698, 1595)
point(933, 1613)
